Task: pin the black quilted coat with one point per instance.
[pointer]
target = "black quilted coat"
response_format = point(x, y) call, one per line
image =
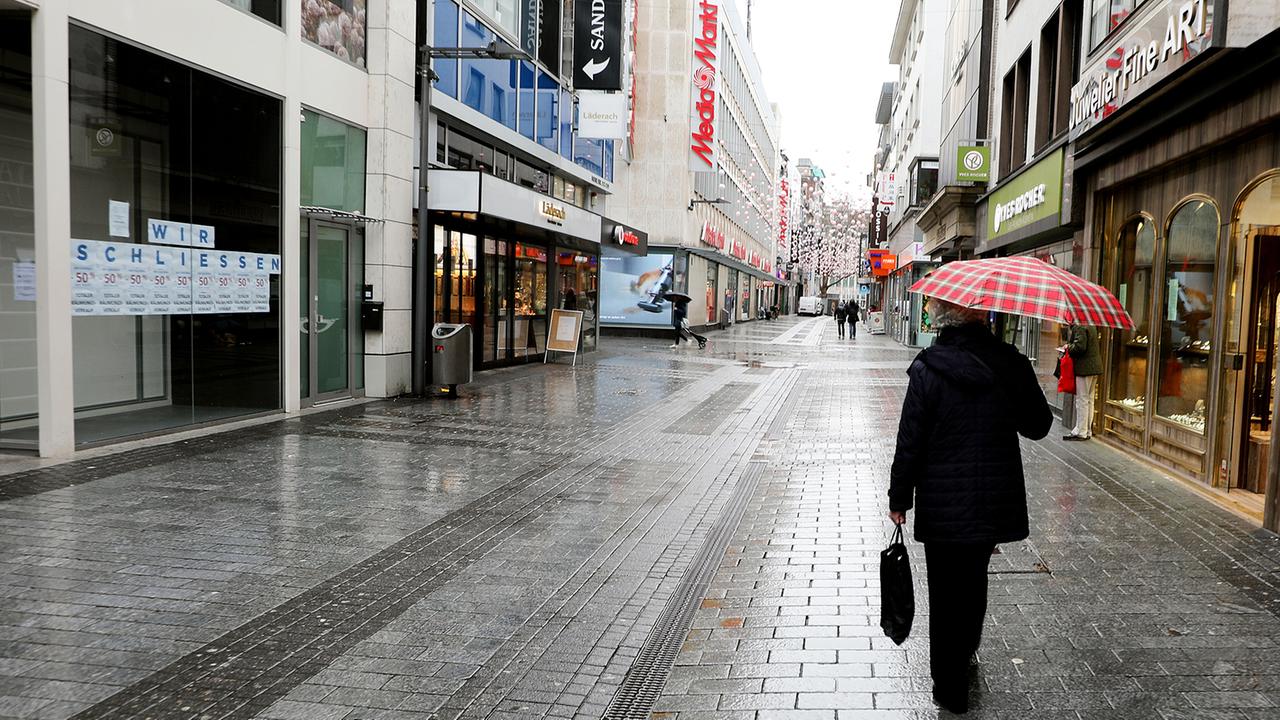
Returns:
point(969, 398)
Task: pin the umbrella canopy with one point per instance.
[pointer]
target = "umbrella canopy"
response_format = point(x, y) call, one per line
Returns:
point(677, 297)
point(1025, 286)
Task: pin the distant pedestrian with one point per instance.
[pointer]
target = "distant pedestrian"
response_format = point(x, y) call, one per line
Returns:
point(839, 313)
point(851, 316)
point(958, 463)
point(680, 319)
point(1086, 358)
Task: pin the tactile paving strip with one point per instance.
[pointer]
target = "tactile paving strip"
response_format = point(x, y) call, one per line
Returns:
point(648, 674)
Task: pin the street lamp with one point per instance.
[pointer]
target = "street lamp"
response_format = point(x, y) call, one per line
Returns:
point(424, 279)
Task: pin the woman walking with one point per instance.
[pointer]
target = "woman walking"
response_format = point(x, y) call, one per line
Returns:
point(959, 465)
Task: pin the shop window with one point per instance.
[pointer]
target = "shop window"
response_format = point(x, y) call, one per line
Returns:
point(527, 94)
point(712, 274)
point(589, 153)
point(268, 10)
point(579, 276)
point(530, 299)
point(533, 177)
point(1182, 382)
point(1131, 349)
point(924, 181)
point(504, 13)
point(548, 116)
point(567, 110)
point(488, 85)
point(1013, 115)
point(164, 157)
point(337, 26)
point(19, 403)
point(333, 163)
point(445, 35)
point(1107, 15)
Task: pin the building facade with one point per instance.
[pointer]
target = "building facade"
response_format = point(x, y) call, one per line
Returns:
point(703, 180)
point(908, 177)
point(517, 188)
point(1176, 126)
point(191, 234)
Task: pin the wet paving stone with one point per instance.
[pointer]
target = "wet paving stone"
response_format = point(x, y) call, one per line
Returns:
point(514, 554)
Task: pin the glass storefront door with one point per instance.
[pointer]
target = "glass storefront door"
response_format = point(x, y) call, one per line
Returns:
point(333, 351)
point(497, 326)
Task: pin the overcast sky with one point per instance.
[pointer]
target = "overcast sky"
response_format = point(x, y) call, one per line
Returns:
point(824, 62)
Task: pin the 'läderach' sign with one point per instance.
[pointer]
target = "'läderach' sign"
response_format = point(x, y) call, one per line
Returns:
point(1166, 40)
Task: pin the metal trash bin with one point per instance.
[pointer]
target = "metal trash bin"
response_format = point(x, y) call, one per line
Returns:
point(451, 355)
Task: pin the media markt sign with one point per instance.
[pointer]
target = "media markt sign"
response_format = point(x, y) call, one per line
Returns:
point(1034, 195)
point(973, 163)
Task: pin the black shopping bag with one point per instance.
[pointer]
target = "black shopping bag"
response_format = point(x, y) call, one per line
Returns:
point(897, 596)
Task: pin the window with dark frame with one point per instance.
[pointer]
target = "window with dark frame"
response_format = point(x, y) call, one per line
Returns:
point(1013, 115)
point(1059, 64)
point(268, 10)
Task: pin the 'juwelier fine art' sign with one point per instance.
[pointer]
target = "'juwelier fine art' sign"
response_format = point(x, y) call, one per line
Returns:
point(704, 85)
point(1143, 57)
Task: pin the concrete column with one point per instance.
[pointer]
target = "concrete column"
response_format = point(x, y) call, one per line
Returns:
point(51, 118)
point(390, 193)
point(290, 226)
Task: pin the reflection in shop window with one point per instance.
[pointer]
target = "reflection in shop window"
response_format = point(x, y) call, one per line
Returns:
point(1182, 384)
point(333, 163)
point(337, 26)
point(445, 32)
point(1131, 349)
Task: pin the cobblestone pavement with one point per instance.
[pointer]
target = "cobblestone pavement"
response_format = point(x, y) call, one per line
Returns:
point(658, 533)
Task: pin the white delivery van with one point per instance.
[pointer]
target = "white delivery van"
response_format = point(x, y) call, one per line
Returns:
point(810, 306)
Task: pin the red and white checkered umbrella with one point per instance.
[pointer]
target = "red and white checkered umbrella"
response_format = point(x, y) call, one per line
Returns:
point(1025, 286)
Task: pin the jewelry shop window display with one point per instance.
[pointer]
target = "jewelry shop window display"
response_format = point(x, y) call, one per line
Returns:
point(1182, 377)
point(1130, 350)
point(530, 301)
point(175, 242)
point(579, 290)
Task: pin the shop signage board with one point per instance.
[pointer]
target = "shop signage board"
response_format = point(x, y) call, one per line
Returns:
point(704, 86)
point(529, 27)
point(712, 236)
point(602, 115)
point(597, 45)
point(551, 212)
point(549, 32)
point(1034, 195)
point(566, 328)
point(1167, 40)
point(973, 163)
point(622, 237)
point(120, 278)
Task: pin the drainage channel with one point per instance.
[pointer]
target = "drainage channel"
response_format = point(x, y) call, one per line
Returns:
point(648, 673)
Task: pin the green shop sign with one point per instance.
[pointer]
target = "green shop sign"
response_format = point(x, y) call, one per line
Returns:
point(1032, 196)
point(973, 163)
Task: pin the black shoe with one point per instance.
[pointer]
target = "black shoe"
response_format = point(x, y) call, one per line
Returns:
point(702, 344)
point(1072, 438)
point(952, 701)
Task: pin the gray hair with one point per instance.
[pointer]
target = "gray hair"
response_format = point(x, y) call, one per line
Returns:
point(945, 314)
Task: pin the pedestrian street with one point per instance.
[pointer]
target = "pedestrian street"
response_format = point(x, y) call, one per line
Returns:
point(656, 533)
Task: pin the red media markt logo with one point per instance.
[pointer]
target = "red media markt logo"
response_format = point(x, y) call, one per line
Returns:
point(704, 77)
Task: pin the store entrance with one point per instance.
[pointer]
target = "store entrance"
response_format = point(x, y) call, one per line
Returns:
point(332, 342)
point(1260, 367)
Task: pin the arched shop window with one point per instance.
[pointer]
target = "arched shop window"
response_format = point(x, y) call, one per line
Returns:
point(1131, 351)
point(1182, 378)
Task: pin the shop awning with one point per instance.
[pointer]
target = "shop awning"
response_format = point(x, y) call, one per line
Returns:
point(734, 263)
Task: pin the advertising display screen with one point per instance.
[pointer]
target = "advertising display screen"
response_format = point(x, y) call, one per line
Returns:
point(627, 280)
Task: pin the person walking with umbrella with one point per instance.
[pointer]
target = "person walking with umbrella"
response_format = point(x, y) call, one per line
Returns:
point(680, 319)
point(958, 465)
point(958, 462)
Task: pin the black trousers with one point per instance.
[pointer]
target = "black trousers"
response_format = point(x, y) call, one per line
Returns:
point(957, 607)
point(840, 327)
point(683, 333)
